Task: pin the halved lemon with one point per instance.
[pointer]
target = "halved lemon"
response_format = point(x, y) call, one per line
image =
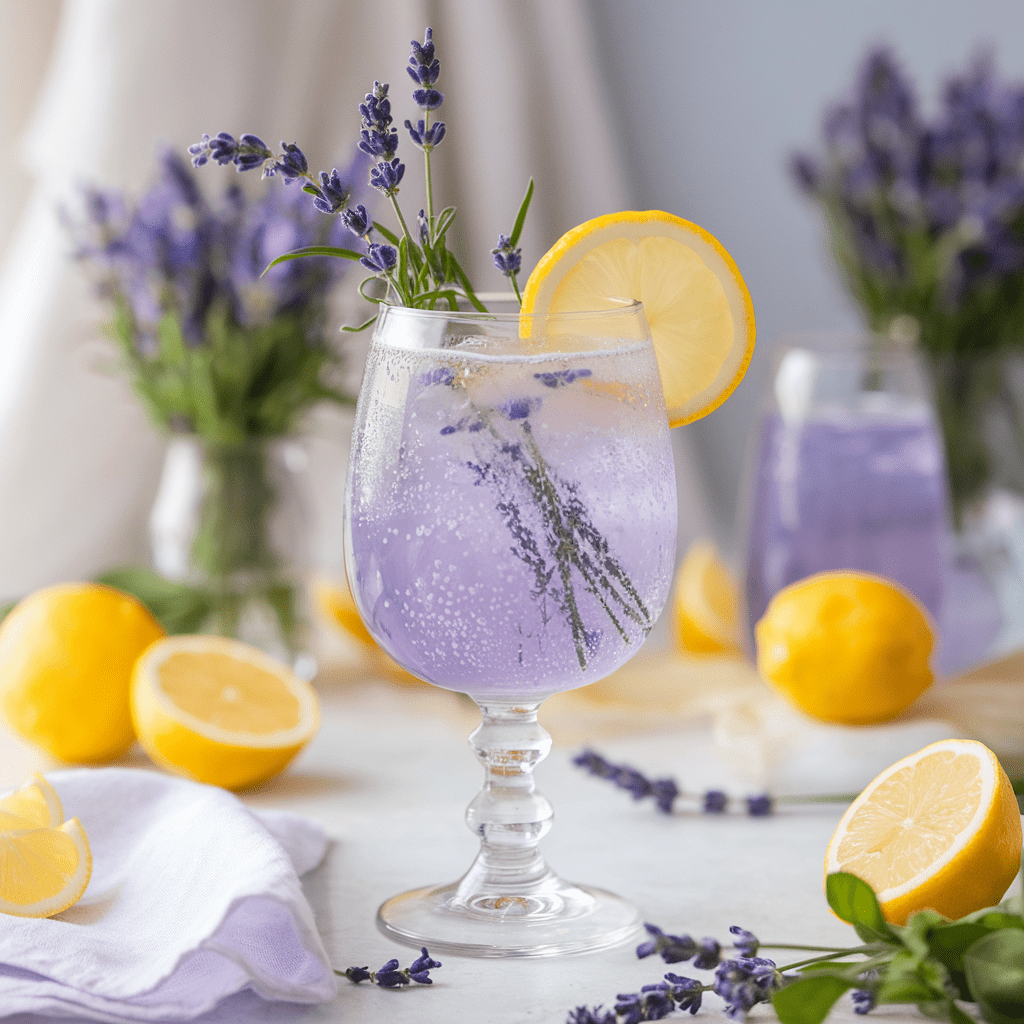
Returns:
point(34, 804)
point(705, 609)
point(219, 711)
point(939, 829)
point(698, 307)
point(45, 863)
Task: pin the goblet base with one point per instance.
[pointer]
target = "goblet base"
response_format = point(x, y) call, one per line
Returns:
point(549, 918)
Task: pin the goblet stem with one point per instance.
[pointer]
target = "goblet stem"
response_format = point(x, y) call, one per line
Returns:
point(508, 814)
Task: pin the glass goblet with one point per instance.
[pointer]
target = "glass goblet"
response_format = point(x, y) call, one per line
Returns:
point(510, 534)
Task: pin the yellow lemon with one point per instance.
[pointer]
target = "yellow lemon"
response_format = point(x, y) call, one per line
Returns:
point(334, 601)
point(45, 863)
point(846, 647)
point(705, 609)
point(66, 657)
point(336, 605)
point(698, 307)
point(939, 829)
point(219, 711)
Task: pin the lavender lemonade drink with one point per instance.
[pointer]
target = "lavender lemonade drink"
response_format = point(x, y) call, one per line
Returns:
point(512, 517)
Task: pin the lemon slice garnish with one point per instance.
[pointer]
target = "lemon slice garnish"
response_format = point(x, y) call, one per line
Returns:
point(34, 804)
point(939, 829)
point(219, 711)
point(698, 307)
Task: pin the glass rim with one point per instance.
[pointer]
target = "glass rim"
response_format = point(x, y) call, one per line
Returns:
point(472, 315)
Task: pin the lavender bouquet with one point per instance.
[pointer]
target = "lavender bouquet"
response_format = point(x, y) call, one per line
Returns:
point(926, 218)
point(219, 351)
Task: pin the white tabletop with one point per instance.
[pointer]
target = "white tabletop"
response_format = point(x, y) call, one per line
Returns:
point(389, 777)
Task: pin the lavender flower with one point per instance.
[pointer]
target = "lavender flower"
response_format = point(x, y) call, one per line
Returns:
point(664, 791)
point(652, 1002)
point(687, 992)
point(423, 136)
point(745, 943)
point(759, 806)
point(864, 1000)
point(386, 175)
point(377, 138)
point(715, 801)
point(673, 949)
point(381, 259)
point(597, 1015)
point(390, 975)
point(744, 982)
point(709, 953)
point(358, 221)
point(560, 378)
point(332, 195)
point(291, 164)
point(506, 258)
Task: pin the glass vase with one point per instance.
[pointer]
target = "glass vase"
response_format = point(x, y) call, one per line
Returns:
point(979, 399)
point(229, 523)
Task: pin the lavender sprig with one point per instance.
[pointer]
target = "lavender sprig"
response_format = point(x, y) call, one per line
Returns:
point(392, 976)
point(417, 271)
point(666, 791)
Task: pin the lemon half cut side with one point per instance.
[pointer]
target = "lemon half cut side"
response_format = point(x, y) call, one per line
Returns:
point(939, 829)
point(699, 309)
point(219, 711)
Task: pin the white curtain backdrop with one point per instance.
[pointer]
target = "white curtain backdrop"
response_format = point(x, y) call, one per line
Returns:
point(89, 90)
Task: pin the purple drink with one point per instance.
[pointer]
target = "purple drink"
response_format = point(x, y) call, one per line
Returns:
point(849, 490)
point(511, 518)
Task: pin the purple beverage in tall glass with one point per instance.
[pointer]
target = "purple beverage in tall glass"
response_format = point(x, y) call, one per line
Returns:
point(845, 489)
point(512, 518)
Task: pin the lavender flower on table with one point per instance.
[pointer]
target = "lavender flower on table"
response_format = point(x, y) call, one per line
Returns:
point(417, 270)
point(393, 976)
point(664, 791)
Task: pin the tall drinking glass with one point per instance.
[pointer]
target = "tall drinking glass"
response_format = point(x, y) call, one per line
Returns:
point(510, 533)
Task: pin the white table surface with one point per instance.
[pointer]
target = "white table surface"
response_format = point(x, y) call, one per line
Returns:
point(389, 776)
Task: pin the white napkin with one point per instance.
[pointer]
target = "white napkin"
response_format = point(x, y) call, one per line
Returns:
point(193, 897)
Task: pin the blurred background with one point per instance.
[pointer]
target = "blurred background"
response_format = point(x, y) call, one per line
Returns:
point(692, 107)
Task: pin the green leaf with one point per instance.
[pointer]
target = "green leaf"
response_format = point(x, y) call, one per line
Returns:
point(460, 276)
point(6, 609)
point(389, 235)
point(444, 222)
point(917, 932)
point(808, 999)
point(854, 901)
point(901, 982)
point(314, 250)
point(361, 327)
point(521, 215)
point(180, 608)
point(994, 966)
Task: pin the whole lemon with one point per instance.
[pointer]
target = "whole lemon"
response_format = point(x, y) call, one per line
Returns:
point(846, 647)
point(66, 658)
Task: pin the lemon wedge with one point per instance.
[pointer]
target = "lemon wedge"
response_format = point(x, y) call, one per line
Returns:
point(219, 711)
point(705, 609)
point(45, 863)
point(697, 305)
point(939, 829)
point(33, 805)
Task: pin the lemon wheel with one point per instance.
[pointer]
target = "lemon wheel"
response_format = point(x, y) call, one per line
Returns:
point(697, 305)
